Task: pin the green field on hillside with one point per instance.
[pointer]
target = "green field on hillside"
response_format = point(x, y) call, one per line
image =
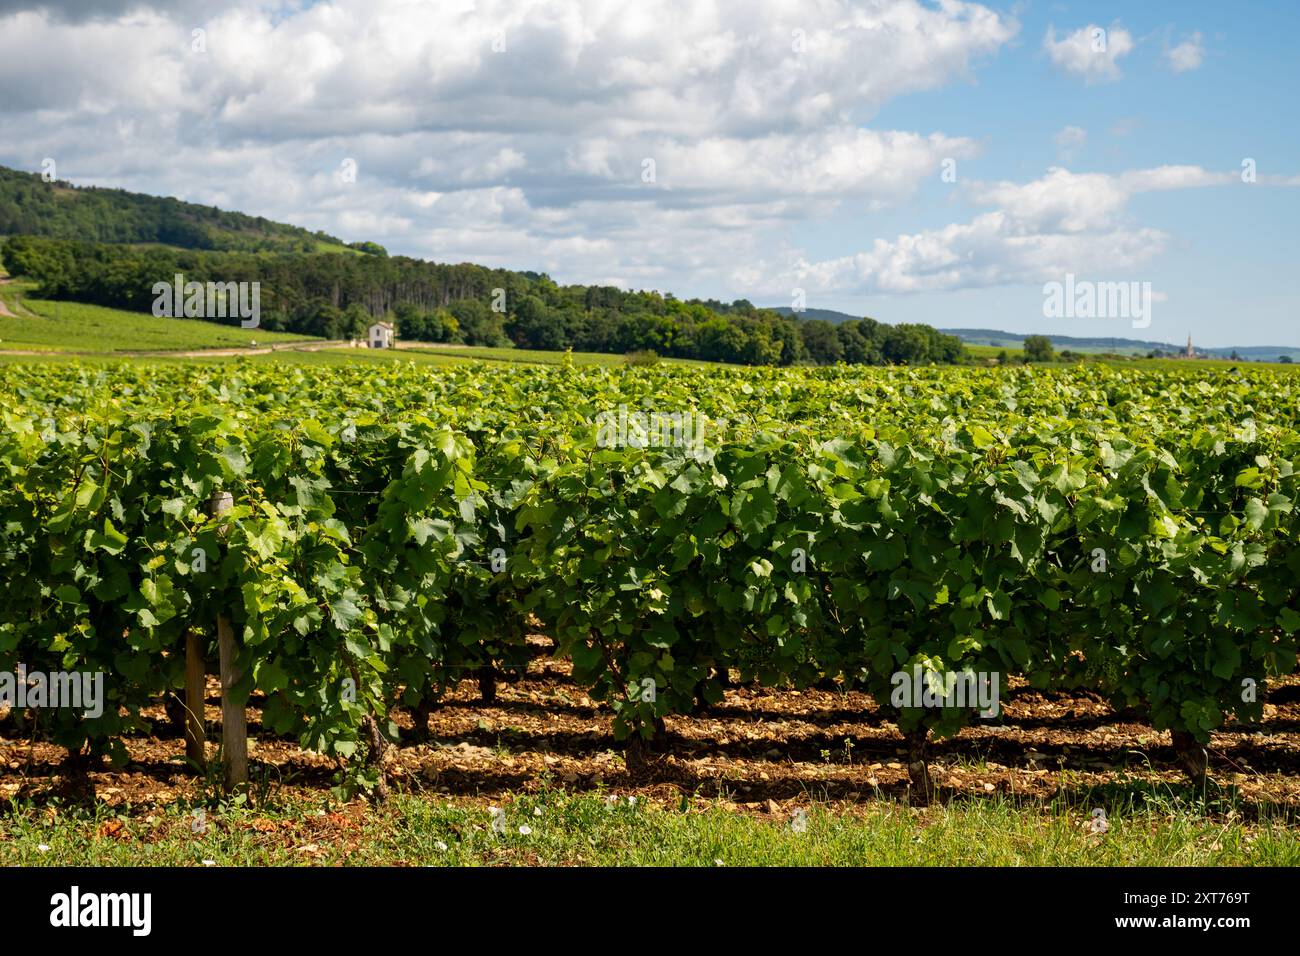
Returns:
point(43, 325)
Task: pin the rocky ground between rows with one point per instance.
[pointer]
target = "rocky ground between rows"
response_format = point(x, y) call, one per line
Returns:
point(759, 749)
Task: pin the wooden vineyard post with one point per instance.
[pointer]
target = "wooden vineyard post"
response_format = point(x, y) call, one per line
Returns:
point(234, 727)
point(195, 681)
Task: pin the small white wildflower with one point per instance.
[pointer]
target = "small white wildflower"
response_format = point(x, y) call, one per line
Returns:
point(43, 847)
point(440, 846)
point(718, 862)
point(525, 830)
point(209, 862)
point(537, 811)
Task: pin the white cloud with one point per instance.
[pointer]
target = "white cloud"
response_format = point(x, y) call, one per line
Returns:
point(1040, 230)
point(529, 157)
point(836, 162)
point(1092, 52)
point(984, 252)
point(1174, 177)
point(676, 67)
point(1187, 55)
point(1060, 201)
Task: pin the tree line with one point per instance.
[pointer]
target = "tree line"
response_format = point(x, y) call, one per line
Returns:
point(337, 295)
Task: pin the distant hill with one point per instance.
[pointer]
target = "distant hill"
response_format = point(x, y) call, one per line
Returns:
point(59, 210)
point(1014, 340)
point(826, 315)
point(1121, 346)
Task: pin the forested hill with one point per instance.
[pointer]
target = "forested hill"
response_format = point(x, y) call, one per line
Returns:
point(336, 296)
point(32, 207)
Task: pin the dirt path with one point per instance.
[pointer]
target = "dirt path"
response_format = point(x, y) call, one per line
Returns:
point(413, 344)
point(259, 350)
point(4, 309)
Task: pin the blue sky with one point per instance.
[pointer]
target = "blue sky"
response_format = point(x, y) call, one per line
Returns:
point(794, 146)
point(1229, 270)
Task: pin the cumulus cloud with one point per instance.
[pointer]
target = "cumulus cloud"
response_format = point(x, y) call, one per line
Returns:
point(1092, 52)
point(838, 161)
point(1060, 201)
point(516, 134)
point(987, 251)
point(1186, 55)
point(1040, 230)
point(362, 66)
point(510, 132)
